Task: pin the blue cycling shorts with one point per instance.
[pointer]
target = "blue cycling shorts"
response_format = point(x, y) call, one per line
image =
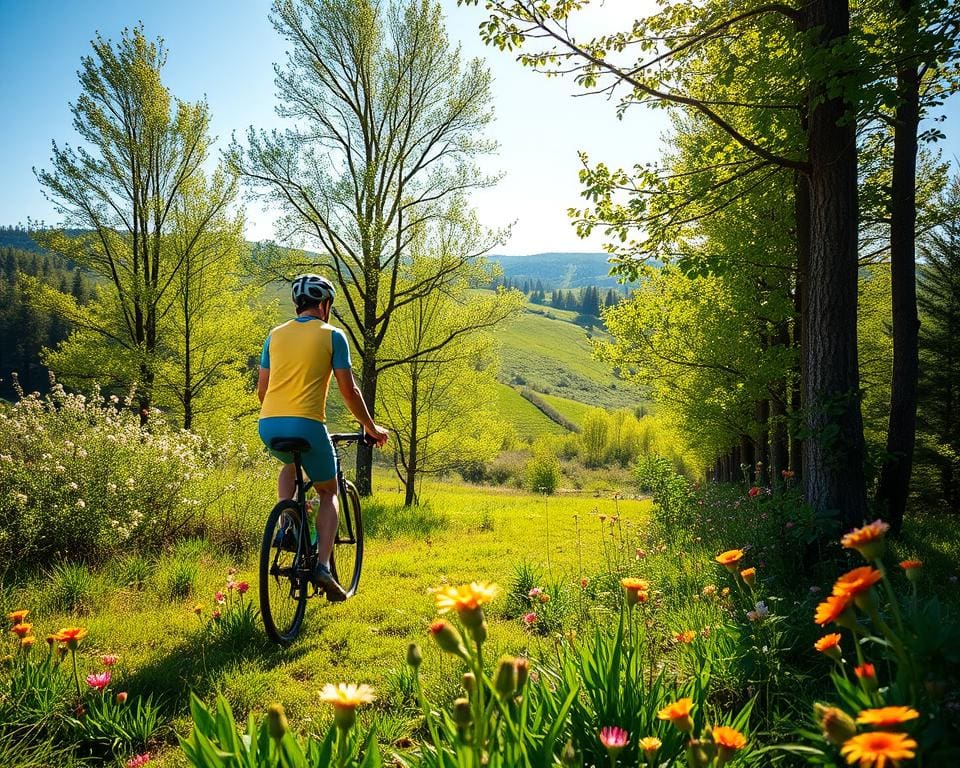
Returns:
point(320, 462)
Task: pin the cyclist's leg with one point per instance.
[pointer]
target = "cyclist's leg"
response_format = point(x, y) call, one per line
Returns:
point(328, 514)
point(287, 482)
point(320, 462)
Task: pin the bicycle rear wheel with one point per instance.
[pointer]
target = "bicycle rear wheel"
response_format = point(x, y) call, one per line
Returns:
point(347, 555)
point(283, 589)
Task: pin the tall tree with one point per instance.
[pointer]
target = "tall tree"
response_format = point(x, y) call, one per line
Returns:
point(815, 52)
point(142, 147)
point(388, 121)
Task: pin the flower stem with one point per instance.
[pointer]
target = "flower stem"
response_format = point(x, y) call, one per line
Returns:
point(76, 674)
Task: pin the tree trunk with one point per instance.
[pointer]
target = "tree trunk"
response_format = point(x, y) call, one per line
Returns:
point(368, 388)
point(894, 485)
point(410, 483)
point(763, 442)
point(834, 453)
point(802, 213)
point(779, 445)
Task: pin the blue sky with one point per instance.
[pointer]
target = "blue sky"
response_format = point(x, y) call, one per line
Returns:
point(224, 50)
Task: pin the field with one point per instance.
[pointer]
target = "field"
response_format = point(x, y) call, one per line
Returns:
point(572, 410)
point(464, 534)
point(528, 420)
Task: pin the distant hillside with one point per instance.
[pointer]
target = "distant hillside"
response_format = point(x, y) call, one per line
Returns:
point(559, 270)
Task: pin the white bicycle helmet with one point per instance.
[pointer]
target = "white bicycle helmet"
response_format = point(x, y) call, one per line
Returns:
point(310, 288)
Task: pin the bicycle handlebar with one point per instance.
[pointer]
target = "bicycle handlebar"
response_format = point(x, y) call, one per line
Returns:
point(352, 437)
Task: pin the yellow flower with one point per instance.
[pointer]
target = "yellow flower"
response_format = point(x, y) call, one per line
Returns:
point(650, 744)
point(678, 713)
point(345, 699)
point(884, 717)
point(27, 642)
point(17, 617)
point(466, 600)
point(686, 637)
point(636, 585)
point(749, 576)
point(878, 749)
point(730, 559)
point(869, 540)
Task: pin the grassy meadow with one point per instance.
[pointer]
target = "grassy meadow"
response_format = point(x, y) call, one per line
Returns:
point(143, 610)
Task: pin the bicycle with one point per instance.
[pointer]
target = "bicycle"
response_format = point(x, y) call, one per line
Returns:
point(287, 554)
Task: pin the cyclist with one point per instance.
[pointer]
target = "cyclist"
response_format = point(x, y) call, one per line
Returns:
point(295, 367)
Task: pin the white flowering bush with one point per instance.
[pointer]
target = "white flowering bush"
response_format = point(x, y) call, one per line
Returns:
point(81, 479)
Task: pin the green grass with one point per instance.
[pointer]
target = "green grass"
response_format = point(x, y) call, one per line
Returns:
point(571, 410)
point(528, 420)
point(469, 533)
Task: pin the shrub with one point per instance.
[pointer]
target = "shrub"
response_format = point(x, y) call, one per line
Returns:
point(543, 473)
point(80, 479)
point(177, 577)
point(72, 588)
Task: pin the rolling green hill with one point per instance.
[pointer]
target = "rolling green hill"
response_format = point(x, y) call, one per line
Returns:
point(528, 420)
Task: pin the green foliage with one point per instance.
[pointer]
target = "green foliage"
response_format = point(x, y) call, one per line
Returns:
point(81, 479)
point(72, 588)
point(543, 469)
point(390, 521)
point(177, 576)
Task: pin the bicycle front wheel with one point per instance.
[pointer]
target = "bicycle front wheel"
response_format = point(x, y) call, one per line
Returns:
point(283, 586)
point(347, 555)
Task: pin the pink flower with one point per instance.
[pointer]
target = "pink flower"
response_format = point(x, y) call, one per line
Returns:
point(220, 598)
point(753, 492)
point(137, 760)
point(99, 681)
point(242, 587)
point(217, 615)
point(530, 619)
point(122, 697)
point(535, 592)
point(614, 738)
point(109, 660)
point(789, 524)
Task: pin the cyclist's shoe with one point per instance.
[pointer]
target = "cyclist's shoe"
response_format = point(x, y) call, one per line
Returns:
point(286, 539)
point(323, 579)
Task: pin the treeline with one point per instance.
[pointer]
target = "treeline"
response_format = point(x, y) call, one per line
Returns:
point(25, 329)
point(586, 301)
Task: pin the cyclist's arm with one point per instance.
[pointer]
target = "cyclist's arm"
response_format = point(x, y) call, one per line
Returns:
point(354, 398)
point(262, 383)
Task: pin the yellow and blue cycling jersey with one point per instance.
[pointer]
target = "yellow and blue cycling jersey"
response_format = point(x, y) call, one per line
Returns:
point(301, 355)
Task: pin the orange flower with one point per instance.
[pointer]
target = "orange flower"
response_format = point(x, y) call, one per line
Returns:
point(21, 630)
point(857, 581)
point(27, 642)
point(729, 739)
point(730, 559)
point(878, 749)
point(18, 616)
point(829, 645)
point(749, 576)
point(867, 675)
point(884, 717)
point(686, 637)
point(636, 590)
point(71, 636)
point(834, 608)
point(869, 540)
point(912, 569)
point(678, 713)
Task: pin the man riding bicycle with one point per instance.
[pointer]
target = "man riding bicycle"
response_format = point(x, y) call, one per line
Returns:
point(295, 368)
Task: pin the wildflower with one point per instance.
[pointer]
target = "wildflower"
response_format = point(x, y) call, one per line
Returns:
point(71, 636)
point(27, 642)
point(220, 598)
point(636, 590)
point(614, 739)
point(505, 679)
point(21, 630)
point(749, 576)
point(121, 697)
point(730, 559)
point(523, 671)
point(834, 608)
point(414, 655)
point(709, 591)
point(17, 617)
point(878, 748)
point(869, 540)
point(856, 584)
point(641, 553)
point(138, 760)
point(678, 714)
point(535, 592)
point(109, 660)
point(462, 714)
point(787, 474)
point(544, 597)
point(242, 587)
point(885, 717)
point(725, 592)
point(686, 637)
point(217, 614)
point(829, 645)
point(198, 608)
point(728, 741)
point(99, 680)
point(912, 569)
point(466, 600)
point(530, 619)
point(649, 745)
point(837, 725)
point(345, 700)
point(867, 674)
point(753, 492)
point(277, 724)
point(583, 583)
point(448, 638)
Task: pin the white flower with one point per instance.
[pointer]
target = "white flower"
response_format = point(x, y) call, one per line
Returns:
point(73, 486)
point(81, 503)
point(762, 610)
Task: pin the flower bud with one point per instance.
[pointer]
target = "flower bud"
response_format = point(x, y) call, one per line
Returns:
point(469, 682)
point(414, 656)
point(505, 680)
point(523, 672)
point(699, 753)
point(462, 715)
point(837, 725)
point(569, 755)
point(277, 722)
point(448, 638)
point(122, 697)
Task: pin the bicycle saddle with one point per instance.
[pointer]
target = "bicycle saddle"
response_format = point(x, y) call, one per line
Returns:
point(289, 444)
